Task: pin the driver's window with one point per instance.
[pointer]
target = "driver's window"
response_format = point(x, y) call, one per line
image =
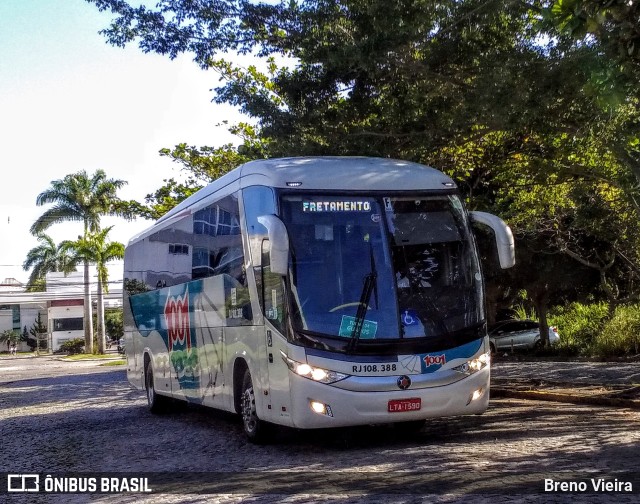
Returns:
point(271, 291)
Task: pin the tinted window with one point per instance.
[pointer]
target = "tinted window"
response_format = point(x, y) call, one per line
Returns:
point(217, 241)
point(517, 325)
point(203, 244)
point(68, 324)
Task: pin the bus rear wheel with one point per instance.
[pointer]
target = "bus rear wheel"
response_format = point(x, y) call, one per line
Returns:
point(155, 402)
point(254, 428)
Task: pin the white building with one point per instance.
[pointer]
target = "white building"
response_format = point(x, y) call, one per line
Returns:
point(65, 314)
point(61, 307)
point(17, 316)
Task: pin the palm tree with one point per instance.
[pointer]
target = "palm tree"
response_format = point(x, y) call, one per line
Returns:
point(10, 337)
point(79, 197)
point(95, 248)
point(46, 258)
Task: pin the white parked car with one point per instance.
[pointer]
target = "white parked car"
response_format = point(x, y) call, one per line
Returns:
point(518, 335)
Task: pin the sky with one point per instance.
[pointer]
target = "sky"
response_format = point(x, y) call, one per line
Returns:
point(71, 102)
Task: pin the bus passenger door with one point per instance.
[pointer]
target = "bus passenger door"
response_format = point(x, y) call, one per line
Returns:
point(276, 372)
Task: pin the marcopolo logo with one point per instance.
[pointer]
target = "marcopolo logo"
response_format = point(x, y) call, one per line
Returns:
point(434, 360)
point(176, 314)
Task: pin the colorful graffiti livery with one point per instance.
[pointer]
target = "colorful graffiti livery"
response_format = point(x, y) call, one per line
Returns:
point(176, 315)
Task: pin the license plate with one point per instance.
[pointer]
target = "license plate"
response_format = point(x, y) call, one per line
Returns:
point(401, 405)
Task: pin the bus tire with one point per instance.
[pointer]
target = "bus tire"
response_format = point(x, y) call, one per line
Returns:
point(155, 402)
point(254, 428)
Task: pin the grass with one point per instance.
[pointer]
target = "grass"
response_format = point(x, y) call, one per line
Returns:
point(78, 357)
point(114, 363)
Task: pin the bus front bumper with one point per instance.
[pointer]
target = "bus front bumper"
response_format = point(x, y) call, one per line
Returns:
point(318, 405)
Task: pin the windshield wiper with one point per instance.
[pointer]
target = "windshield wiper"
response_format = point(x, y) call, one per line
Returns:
point(367, 289)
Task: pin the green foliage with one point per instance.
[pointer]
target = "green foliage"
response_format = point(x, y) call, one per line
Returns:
point(579, 326)
point(72, 347)
point(523, 312)
point(46, 258)
point(84, 198)
point(37, 329)
point(133, 286)
point(10, 337)
point(525, 106)
point(95, 248)
point(620, 336)
point(114, 324)
point(614, 24)
point(203, 165)
point(114, 363)
point(163, 199)
point(79, 197)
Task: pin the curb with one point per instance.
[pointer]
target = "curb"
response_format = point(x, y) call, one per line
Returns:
point(538, 395)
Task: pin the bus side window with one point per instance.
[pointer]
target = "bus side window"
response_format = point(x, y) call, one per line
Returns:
point(271, 291)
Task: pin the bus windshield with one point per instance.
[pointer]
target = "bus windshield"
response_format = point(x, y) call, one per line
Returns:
point(413, 255)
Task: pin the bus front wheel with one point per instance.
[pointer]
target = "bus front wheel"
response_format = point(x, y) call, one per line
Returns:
point(254, 428)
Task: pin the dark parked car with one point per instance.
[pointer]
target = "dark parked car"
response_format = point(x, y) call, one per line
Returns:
point(518, 335)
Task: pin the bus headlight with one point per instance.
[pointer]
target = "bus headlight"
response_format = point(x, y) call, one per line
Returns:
point(312, 373)
point(474, 365)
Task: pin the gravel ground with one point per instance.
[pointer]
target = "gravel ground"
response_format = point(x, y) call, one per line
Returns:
point(66, 418)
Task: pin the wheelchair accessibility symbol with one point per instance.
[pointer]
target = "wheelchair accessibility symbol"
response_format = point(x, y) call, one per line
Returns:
point(409, 317)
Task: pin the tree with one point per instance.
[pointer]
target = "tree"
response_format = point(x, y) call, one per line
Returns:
point(615, 24)
point(94, 248)
point(114, 323)
point(10, 337)
point(83, 198)
point(37, 330)
point(443, 83)
point(203, 165)
point(46, 258)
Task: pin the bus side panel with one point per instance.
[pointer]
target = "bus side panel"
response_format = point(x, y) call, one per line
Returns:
point(164, 330)
point(246, 343)
point(135, 372)
point(278, 374)
point(145, 339)
point(208, 309)
point(212, 380)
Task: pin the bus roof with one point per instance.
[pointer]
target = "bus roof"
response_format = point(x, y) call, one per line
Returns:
point(326, 173)
point(315, 174)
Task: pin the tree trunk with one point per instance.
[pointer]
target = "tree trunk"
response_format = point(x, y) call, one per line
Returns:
point(542, 309)
point(102, 341)
point(88, 312)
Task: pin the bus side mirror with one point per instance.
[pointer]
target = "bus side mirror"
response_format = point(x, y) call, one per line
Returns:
point(278, 243)
point(503, 236)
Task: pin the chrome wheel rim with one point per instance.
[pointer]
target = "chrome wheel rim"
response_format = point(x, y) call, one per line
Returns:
point(249, 417)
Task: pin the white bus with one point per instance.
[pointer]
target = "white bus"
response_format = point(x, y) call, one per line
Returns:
point(314, 292)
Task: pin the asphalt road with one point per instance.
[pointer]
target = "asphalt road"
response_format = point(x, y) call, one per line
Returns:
point(64, 419)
